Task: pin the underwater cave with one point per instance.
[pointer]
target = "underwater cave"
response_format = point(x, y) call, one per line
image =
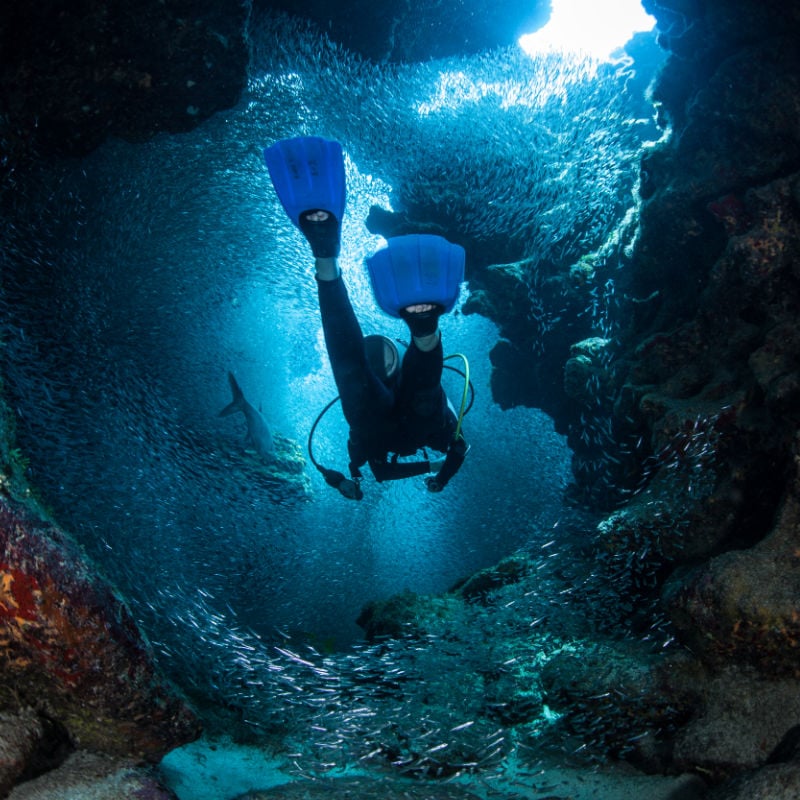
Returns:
point(603, 601)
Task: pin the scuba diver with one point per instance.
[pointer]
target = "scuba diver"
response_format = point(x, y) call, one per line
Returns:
point(394, 403)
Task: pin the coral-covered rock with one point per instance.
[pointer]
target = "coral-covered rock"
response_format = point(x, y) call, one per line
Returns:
point(283, 478)
point(741, 719)
point(712, 283)
point(741, 607)
point(586, 373)
point(622, 699)
point(405, 614)
point(528, 361)
point(363, 788)
point(70, 650)
point(773, 782)
point(506, 291)
point(478, 586)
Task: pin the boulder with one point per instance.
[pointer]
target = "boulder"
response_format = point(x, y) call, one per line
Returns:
point(773, 782)
point(621, 699)
point(406, 614)
point(71, 652)
point(20, 735)
point(741, 720)
point(741, 607)
point(362, 788)
point(94, 776)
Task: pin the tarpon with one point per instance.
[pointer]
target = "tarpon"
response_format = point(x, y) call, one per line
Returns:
point(258, 434)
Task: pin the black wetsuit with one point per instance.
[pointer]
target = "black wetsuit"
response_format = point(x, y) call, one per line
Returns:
point(401, 420)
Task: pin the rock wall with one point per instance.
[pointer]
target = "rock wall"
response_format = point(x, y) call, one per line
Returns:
point(78, 681)
point(70, 76)
point(711, 375)
point(700, 279)
point(704, 377)
point(699, 397)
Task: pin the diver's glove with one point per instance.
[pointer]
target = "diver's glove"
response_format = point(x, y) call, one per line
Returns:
point(456, 454)
point(323, 235)
point(432, 483)
point(347, 487)
point(422, 323)
point(432, 480)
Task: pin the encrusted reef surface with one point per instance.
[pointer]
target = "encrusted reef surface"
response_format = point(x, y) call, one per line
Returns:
point(83, 706)
point(699, 281)
point(283, 478)
point(579, 659)
point(705, 379)
point(77, 675)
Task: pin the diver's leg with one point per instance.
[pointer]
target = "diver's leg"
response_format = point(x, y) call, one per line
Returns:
point(327, 269)
point(424, 360)
point(420, 383)
point(421, 389)
point(421, 377)
point(364, 397)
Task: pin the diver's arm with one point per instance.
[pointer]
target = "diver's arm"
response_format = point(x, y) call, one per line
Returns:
point(456, 454)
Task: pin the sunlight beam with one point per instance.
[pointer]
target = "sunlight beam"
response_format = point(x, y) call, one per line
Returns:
point(595, 28)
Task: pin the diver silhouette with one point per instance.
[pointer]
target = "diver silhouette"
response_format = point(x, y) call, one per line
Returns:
point(393, 401)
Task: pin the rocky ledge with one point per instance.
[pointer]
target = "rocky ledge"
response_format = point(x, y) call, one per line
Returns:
point(77, 675)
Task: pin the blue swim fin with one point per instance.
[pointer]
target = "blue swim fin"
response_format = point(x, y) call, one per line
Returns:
point(419, 268)
point(308, 174)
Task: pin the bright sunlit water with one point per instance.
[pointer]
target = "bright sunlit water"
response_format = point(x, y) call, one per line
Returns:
point(595, 28)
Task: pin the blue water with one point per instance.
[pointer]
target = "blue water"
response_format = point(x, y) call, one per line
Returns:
point(138, 276)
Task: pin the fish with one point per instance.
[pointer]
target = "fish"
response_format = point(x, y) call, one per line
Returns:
point(258, 433)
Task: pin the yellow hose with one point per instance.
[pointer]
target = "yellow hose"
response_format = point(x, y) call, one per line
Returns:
point(464, 394)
